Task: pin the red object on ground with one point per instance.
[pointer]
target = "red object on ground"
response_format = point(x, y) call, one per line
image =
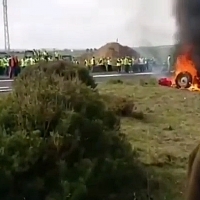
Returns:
point(165, 82)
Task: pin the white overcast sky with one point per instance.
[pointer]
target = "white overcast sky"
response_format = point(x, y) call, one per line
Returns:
point(88, 23)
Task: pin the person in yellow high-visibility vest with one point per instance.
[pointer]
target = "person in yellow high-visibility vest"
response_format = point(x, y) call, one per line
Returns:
point(86, 63)
point(109, 64)
point(119, 66)
point(126, 64)
point(92, 63)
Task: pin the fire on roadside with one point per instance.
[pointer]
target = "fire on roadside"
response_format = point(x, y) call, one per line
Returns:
point(185, 74)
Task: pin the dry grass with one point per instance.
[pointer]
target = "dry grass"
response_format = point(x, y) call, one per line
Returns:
point(167, 135)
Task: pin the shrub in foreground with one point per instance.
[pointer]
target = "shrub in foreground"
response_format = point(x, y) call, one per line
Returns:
point(59, 141)
point(64, 69)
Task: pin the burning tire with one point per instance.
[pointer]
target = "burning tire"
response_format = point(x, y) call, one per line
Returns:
point(184, 80)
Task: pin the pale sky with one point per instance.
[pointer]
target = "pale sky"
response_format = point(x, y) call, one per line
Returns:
point(88, 23)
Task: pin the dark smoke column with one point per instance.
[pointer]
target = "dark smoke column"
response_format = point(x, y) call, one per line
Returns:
point(187, 14)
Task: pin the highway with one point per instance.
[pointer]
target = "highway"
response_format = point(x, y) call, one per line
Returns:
point(6, 83)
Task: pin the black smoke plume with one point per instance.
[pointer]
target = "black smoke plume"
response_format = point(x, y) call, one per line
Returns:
point(187, 15)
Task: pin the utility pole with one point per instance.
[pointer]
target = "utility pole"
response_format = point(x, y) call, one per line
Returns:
point(6, 29)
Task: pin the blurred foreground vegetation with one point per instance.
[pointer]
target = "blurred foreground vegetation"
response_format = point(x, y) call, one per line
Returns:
point(64, 138)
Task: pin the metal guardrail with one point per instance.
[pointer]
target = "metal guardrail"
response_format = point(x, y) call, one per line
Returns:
point(5, 88)
point(8, 88)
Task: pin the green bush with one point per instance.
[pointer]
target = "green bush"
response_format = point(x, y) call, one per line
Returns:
point(64, 69)
point(59, 141)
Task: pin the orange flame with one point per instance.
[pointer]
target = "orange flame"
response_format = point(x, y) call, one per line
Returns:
point(184, 64)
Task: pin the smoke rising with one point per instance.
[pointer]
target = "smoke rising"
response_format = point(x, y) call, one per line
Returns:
point(187, 15)
point(154, 23)
point(188, 20)
point(141, 22)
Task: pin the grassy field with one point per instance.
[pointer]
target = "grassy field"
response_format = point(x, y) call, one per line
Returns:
point(166, 135)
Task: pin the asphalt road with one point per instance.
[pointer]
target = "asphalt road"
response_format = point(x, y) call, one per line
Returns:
point(6, 84)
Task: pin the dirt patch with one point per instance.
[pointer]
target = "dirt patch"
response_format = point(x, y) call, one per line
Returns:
point(113, 50)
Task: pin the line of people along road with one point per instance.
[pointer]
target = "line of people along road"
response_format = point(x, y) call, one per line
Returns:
point(12, 66)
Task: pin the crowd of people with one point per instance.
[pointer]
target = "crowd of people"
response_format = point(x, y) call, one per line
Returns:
point(124, 64)
point(12, 65)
